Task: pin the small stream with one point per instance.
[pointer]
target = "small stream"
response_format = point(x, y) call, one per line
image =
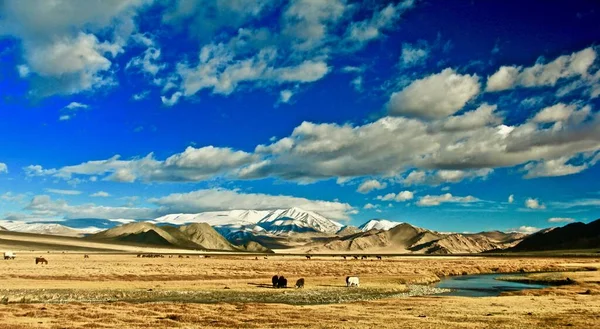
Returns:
point(481, 285)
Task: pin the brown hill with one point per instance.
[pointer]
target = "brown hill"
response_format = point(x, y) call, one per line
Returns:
point(203, 234)
point(405, 238)
point(198, 236)
point(569, 237)
point(348, 230)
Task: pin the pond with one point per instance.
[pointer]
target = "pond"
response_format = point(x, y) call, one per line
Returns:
point(481, 285)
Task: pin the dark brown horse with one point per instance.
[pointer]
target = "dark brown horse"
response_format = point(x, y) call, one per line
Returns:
point(41, 260)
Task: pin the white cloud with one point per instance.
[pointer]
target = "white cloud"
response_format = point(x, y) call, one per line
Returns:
point(436, 96)
point(148, 62)
point(285, 95)
point(43, 205)
point(370, 206)
point(3, 168)
point(357, 83)
point(437, 177)
point(511, 198)
point(594, 203)
point(370, 185)
point(540, 74)
point(76, 106)
point(436, 200)
point(532, 203)
point(170, 101)
point(307, 22)
point(194, 164)
point(561, 112)
point(560, 220)
point(223, 199)
point(141, 95)
point(525, 229)
point(413, 55)
point(220, 70)
point(100, 194)
point(552, 168)
point(482, 116)
point(400, 197)
point(360, 33)
point(63, 192)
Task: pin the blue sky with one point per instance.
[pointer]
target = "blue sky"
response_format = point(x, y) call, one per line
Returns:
point(454, 116)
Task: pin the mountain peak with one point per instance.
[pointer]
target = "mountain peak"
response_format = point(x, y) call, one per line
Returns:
point(378, 224)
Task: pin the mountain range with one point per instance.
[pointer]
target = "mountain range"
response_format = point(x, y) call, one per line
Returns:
point(297, 230)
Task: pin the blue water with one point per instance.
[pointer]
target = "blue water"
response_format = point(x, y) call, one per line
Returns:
point(482, 285)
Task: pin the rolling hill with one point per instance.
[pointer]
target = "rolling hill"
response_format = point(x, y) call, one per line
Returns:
point(199, 236)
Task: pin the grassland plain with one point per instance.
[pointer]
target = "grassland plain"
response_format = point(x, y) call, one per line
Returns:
point(107, 291)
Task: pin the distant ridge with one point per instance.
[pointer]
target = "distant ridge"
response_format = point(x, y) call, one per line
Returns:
point(199, 236)
point(572, 236)
point(378, 224)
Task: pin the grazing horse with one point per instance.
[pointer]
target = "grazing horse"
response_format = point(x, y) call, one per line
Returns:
point(308, 257)
point(363, 257)
point(300, 283)
point(41, 260)
point(282, 282)
point(344, 257)
point(378, 257)
point(352, 281)
point(275, 280)
point(86, 256)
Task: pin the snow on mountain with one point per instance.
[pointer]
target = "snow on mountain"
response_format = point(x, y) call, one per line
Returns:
point(378, 224)
point(257, 221)
point(297, 220)
point(47, 228)
point(215, 218)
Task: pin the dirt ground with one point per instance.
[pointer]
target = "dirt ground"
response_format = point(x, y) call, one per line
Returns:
point(124, 291)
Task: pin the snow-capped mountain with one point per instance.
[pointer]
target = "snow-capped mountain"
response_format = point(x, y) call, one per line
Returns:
point(47, 228)
point(257, 221)
point(215, 218)
point(378, 224)
point(298, 220)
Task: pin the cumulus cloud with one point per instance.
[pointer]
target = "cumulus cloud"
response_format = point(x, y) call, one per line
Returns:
point(400, 197)
point(560, 220)
point(194, 164)
point(63, 192)
point(43, 205)
point(435, 96)
point(223, 199)
point(436, 200)
point(574, 65)
point(553, 168)
point(561, 112)
point(361, 32)
point(100, 194)
point(525, 229)
point(370, 185)
point(511, 198)
point(483, 116)
point(3, 168)
point(285, 95)
point(532, 203)
point(413, 55)
point(370, 206)
point(222, 71)
point(68, 46)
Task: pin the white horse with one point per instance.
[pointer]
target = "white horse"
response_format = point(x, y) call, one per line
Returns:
point(352, 281)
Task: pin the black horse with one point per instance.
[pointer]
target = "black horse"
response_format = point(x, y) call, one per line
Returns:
point(275, 280)
point(300, 283)
point(282, 282)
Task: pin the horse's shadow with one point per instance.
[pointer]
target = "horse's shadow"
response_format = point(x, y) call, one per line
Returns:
point(262, 285)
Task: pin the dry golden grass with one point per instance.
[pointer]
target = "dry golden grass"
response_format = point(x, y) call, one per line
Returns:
point(178, 282)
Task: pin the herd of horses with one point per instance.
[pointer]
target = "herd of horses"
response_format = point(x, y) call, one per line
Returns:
point(281, 282)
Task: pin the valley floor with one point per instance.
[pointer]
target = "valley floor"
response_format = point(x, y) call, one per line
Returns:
point(124, 291)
